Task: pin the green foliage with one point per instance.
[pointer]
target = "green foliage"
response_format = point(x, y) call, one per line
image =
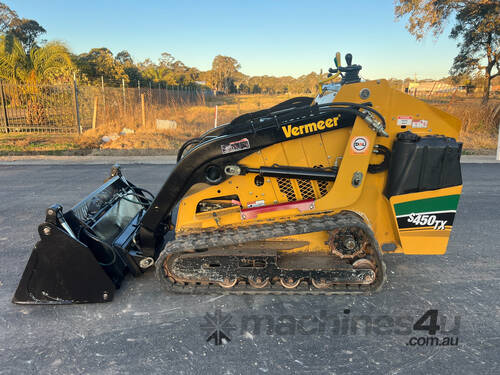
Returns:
point(131, 70)
point(168, 72)
point(478, 32)
point(25, 30)
point(100, 62)
point(425, 15)
point(47, 64)
point(306, 84)
point(7, 15)
point(160, 74)
point(476, 28)
point(124, 58)
point(224, 71)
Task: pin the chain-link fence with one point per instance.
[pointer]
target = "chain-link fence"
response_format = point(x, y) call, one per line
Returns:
point(70, 108)
point(444, 93)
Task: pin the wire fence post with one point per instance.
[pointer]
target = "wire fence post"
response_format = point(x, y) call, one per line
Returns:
point(216, 113)
point(123, 92)
point(103, 98)
point(94, 117)
point(4, 111)
point(143, 111)
point(103, 93)
point(498, 142)
point(75, 100)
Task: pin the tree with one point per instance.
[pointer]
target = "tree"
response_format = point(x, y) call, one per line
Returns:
point(256, 89)
point(99, 62)
point(191, 76)
point(167, 60)
point(476, 28)
point(131, 70)
point(124, 58)
point(243, 88)
point(146, 64)
point(7, 15)
point(160, 74)
point(47, 64)
point(25, 30)
point(224, 69)
point(134, 74)
point(169, 71)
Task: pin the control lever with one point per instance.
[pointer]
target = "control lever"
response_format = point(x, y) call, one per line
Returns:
point(351, 71)
point(348, 59)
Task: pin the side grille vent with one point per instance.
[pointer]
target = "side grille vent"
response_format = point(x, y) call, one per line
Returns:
point(306, 189)
point(303, 189)
point(286, 188)
point(323, 186)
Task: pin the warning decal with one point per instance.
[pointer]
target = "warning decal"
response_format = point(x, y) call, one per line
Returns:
point(422, 124)
point(256, 204)
point(359, 145)
point(242, 144)
point(405, 120)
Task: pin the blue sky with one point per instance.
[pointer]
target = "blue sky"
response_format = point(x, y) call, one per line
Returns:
point(266, 37)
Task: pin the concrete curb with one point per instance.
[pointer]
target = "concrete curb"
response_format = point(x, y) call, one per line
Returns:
point(163, 159)
point(88, 159)
point(479, 159)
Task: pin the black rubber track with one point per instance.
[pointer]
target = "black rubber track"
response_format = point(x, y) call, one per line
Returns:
point(241, 235)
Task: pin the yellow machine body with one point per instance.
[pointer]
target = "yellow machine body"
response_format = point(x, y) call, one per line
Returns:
point(328, 149)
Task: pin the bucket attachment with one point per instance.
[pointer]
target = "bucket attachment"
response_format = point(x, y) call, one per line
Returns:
point(84, 254)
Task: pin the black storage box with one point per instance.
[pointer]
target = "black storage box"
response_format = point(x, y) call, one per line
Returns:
point(423, 163)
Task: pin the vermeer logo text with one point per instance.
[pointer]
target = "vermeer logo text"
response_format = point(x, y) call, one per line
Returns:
point(312, 127)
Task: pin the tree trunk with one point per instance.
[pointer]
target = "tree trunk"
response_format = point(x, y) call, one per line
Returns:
point(486, 92)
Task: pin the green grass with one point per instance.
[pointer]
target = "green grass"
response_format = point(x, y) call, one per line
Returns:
point(19, 143)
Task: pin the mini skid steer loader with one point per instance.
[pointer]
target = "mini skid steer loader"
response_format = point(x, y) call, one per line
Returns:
point(303, 198)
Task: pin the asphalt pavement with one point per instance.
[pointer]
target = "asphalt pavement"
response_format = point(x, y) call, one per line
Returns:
point(144, 330)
